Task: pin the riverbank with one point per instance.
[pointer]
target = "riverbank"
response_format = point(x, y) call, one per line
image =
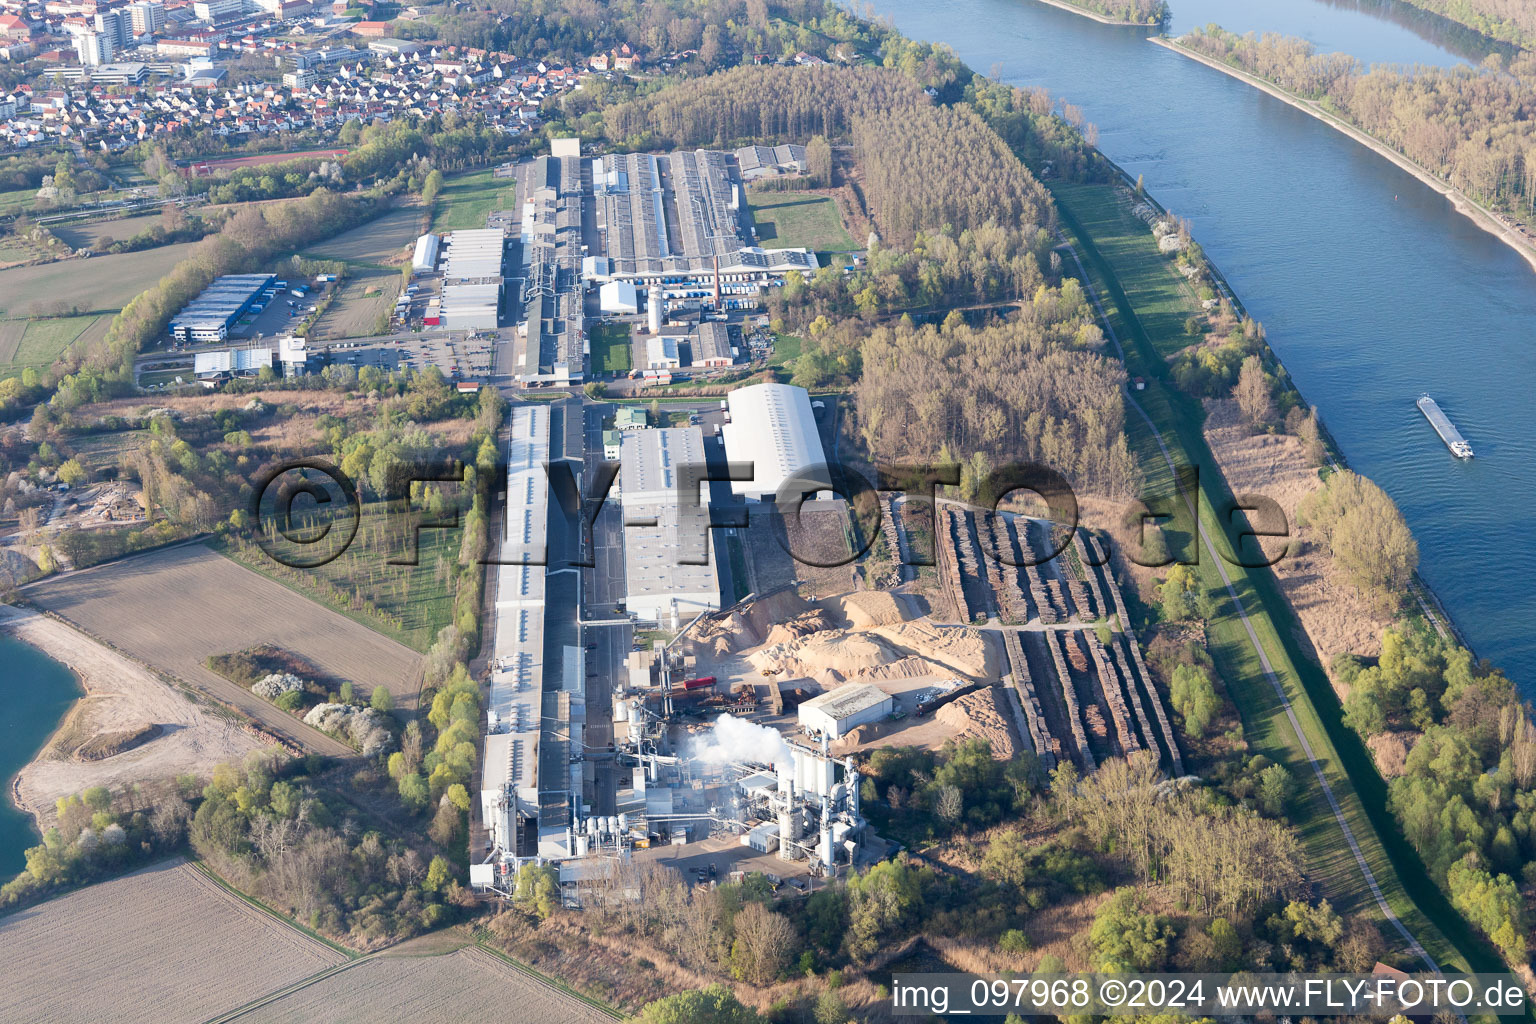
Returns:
point(1464, 204)
point(119, 694)
point(1102, 19)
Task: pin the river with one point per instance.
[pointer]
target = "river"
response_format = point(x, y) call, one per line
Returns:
point(1372, 288)
point(35, 692)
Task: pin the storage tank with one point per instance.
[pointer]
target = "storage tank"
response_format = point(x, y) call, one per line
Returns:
point(653, 304)
point(623, 821)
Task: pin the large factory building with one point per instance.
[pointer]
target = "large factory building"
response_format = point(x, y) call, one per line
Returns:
point(773, 427)
point(669, 562)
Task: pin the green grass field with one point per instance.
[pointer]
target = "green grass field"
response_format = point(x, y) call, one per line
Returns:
point(99, 284)
point(610, 348)
point(39, 342)
point(786, 349)
point(467, 198)
point(1137, 273)
point(409, 603)
point(799, 220)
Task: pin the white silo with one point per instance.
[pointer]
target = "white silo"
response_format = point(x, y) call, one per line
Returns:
point(653, 306)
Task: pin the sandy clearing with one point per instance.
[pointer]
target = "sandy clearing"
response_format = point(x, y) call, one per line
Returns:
point(1334, 616)
point(466, 985)
point(119, 694)
point(162, 945)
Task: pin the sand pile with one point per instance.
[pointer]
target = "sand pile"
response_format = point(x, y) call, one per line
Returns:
point(981, 715)
point(830, 656)
point(866, 608)
point(762, 615)
point(801, 625)
point(961, 650)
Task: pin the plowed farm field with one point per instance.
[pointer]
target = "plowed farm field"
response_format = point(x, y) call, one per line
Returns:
point(161, 946)
point(467, 985)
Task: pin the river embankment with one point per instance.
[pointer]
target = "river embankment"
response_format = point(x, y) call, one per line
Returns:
point(1464, 204)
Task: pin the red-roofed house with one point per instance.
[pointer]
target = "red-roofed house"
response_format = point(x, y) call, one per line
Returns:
point(12, 27)
point(371, 29)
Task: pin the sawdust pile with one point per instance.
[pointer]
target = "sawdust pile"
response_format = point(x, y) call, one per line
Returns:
point(981, 715)
point(961, 650)
point(907, 650)
point(801, 625)
point(866, 608)
point(831, 656)
point(752, 624)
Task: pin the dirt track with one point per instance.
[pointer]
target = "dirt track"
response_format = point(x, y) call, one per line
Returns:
point(172, 608)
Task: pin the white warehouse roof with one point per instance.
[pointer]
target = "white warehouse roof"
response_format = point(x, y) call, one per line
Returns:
point(425, 256)
point(773, 428)
point(475, 254)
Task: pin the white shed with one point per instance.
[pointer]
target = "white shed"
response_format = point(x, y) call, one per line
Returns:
point(840, 711)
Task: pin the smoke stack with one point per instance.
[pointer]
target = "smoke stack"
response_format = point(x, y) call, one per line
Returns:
point(717, 282)
point(653, 309)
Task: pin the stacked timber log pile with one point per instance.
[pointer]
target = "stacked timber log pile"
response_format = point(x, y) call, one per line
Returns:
point(1161, 713)
point(1069, 693)
point(1003, 569)
point(889, 530)
point(951, 572)
point(1085, 562)
point(1046, 746)
point(1122, 665)
point(1114, 697)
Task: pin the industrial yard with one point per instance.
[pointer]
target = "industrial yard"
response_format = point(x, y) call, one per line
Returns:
point(730, 741)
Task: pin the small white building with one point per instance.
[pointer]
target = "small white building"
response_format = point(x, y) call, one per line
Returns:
point(764, 838)
point(838, 712)
point(424, 258)
point(661, 353)
point(618, 297)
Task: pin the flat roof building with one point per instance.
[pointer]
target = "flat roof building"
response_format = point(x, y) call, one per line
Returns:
point(475, 255)
point(509, 790)
point(669, 562)
point(210, 316)
point(838, 712)
point(773, 427)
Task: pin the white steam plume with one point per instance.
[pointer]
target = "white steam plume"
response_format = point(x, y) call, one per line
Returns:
point(736, 739)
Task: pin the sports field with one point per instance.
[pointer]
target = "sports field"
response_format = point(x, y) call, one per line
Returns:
point(610, 348)
point(799, 220)
point(39, 342)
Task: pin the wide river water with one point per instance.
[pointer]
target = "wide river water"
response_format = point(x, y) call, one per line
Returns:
point(35, 691)
point(1373, 289)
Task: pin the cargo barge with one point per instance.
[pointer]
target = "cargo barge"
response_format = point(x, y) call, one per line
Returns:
point(1443, 426)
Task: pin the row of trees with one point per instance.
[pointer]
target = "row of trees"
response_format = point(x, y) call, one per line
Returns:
point(1471, 127)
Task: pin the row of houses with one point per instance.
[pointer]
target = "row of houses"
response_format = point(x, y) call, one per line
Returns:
point(123, 103)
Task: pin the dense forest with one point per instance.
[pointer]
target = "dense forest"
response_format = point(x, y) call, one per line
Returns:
point(1513, 21)
point(1475, 128)
point(1024, 389)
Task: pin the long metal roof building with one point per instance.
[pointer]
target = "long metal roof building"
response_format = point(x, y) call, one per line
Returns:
point(772, 427)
